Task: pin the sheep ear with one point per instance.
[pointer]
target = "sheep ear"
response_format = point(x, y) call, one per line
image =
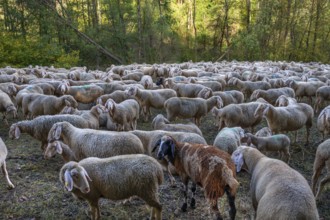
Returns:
point(17, 132)
point(58, 131)
point(99, 101)
point(238, 160)
point(58, 146)
point(86, 174)
point(68, 181)
point(265, 110)
point(156, 145)
point(67, 103)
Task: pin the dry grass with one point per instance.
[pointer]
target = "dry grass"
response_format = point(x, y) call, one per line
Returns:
point(39, 194)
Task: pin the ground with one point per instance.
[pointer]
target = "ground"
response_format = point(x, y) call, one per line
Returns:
point(40, 195)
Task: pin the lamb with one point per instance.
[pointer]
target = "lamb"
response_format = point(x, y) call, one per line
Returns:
point(161, 123)
point(322, 159)
point(3, 155)
point(190, 107)
point(150, 98)
point(277, 190)
point(247, 87)
point(84, 94)
point(7, 106)
point(322, 94)
point(237, 115)
point(150, 138)
point(124, 114)
point(289, 118)
point(95, 143)
point(323, 122)
point(228, 139)
point(271, 95)
point(39, 127)
point(189, 90)
point(263, 132)
point(38, 104)
point(114, 178)
point(206, 166)
point(230, 97)
point(278, 142)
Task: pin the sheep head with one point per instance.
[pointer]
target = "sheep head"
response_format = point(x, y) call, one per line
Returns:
point(52, 149)
point(261, 110)
point(110, 106)
point(166, 148)
point(14, 131)
point(131, 91)
point(55, 132)
point(238, 158)
point(70, 101)
point(76, 176)
point(12, 109)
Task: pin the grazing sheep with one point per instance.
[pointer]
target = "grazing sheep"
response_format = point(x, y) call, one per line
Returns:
point(124, 114)
point(38, 104)
point(237, 115)
point(150, 138)
point(115, 178)
point(32, 89)
point(60, 148)
point(289, 118)
point(206, 166)
point(39, 127)
point(322, 159)
point(230, 97)
point(95, 143)
point(7, 106)
point(323, 122)
point(279, 143)
point(84, 94)
point(322, 94)
point(277, 190)
point(271, 95)
point(3, 155)
point(247, 87)
point(228, 139)
point(190, 107)
point(161, 123)
point(150, 98)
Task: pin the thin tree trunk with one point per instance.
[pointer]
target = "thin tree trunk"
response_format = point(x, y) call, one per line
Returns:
point(139, 30)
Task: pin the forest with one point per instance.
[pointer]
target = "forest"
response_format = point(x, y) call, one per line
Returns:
point(98, 33)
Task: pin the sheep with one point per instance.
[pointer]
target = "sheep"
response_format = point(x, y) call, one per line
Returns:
point(190, 107)
point(150, 138)
point(161, 123)
point(283, 100)
point(3, 155)
point(277, 190)
point(228, 139)
point(307, 89)
point(39, 127)
point(189, 90)
point(114, 178)
point(205, 165)
point(247, 87)
point(278, 142)
point(150, 98)
point(95, 143)
point(230, 97)
point(289, 118)
point(263, 132)
point(92, 116)
point(323, 122)
point(271, 95)
point(60, 148)
point(322, 94)
point(237, 115)
point(212, 84)
point(84, 94)
point(136, 76)
point(39, 104)
point(322, 159)
point(124, 114)
point(27, 90)
point(7, 106)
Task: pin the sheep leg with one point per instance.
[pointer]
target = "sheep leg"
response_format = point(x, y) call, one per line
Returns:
point(185, 181)
point(95, 210)
point(193, 201)
point(318, 166)
point(5, 173)
point(156, 208)
point(231, 201)
point(172, 179)
point(322, 184)
point(214, 208)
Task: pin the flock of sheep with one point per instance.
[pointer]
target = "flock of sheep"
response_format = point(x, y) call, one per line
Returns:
point(90, 118)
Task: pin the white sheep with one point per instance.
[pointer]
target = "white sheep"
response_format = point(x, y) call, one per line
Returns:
point(114, 178)
point(277, 190)
point(228, 139)
point(322, 159)
point(204, 165)
point(60, 148)
point(190, 107)
point(263, 132)
point(230, 97)
point(3, 155)
point(7, 106)
point(323, 122)
point(322, 94)
point(271, 95)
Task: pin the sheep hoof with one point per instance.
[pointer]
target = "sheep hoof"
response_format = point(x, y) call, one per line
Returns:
point(184, 207)
point(10, 186)
point(193, 203)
